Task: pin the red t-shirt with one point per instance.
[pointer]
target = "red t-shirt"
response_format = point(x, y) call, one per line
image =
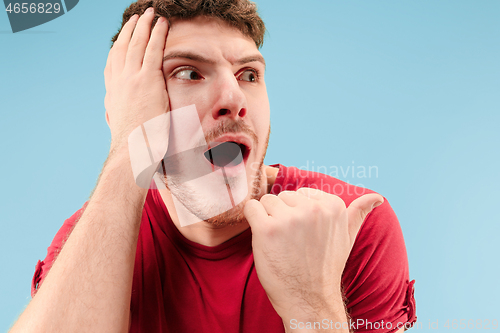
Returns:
point(182, 286)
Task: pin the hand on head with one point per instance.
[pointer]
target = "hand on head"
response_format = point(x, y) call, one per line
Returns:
point(135, 85)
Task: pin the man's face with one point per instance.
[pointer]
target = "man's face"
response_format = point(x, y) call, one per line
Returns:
point(218, 69)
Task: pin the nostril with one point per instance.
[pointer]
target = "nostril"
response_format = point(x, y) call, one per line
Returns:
point(228, 112)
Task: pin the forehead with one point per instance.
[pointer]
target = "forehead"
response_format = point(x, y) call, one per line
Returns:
point(210, 36)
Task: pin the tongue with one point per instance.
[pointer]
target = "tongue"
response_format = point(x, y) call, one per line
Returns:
point(226, 154)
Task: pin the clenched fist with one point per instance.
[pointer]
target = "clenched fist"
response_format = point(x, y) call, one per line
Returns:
point(301, 242)
point(135, 85)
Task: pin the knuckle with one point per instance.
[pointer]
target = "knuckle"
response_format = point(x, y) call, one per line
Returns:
point(316, 209)
point(338, 202)
point(118, 46)
point(297, 220)
point(266, 198)
point(303, 190)
point(286, 193)
point(271, 230)
point(137, 40)
point(134, 42)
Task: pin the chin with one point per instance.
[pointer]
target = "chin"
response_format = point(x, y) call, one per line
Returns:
point(230, 218)
point(235, 216)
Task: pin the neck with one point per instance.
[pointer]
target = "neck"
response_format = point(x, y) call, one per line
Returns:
point(207, 234)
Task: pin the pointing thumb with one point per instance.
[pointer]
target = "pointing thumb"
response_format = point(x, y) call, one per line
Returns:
point(359, 209)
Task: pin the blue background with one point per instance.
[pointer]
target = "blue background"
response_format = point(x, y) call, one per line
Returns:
point(409, 87)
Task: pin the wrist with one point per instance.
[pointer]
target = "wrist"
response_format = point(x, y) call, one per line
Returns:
point(328, 317)
point(118, 149)
point(116, 178)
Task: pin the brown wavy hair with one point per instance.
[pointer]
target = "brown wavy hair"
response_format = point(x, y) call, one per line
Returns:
point(241, 14)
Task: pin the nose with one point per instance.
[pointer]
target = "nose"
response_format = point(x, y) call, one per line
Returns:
point(230, 99)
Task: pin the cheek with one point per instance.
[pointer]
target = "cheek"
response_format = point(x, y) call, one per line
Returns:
point(261, 115)
point(181, 95)
point(261, 128)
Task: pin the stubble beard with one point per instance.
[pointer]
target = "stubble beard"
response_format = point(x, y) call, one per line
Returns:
point(235, 215)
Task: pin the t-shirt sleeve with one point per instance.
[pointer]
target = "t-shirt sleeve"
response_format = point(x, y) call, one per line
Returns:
point(376, 278)
point(43, 266)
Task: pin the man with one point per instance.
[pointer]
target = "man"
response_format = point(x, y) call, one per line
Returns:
point(287, 258)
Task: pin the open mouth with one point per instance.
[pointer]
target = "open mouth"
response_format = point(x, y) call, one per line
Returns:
point(227, 154)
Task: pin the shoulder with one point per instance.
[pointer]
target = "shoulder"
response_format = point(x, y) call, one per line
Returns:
point(292, 178)
point(43, 266)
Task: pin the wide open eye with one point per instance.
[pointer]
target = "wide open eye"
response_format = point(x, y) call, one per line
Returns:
point(248, 75)
point(187, 74)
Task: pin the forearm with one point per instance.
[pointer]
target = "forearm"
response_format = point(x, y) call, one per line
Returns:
point(326, 318)
point(89, 285)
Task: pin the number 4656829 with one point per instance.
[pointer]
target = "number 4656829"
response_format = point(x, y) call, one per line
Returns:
point(40, 8)
point(471, 324)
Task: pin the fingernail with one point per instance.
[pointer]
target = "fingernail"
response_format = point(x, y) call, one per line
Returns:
point(376, 204)
point(149, 10)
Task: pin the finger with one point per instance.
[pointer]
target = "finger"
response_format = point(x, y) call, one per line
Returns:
point(153, 58)
point(291, 198)
point(273, 205)
point(107, 70)
point(255, 213)
point(118, 52)
point(311, 193)
point(330, 200)
point(359, 209)
point(139, 41)
point(126, 31)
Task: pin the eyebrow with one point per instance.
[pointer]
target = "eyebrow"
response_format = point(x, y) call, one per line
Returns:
point(246, 60)
point(200, 58)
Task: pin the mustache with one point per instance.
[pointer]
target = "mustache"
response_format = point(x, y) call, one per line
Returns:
point(186, 165)
point(230, 126)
